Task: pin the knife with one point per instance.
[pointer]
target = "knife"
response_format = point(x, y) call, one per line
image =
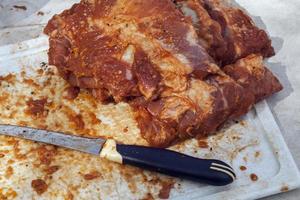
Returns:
point(209, 171)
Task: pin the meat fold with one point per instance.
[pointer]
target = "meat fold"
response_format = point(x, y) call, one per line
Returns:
point(229, 33)
point(250, 73)
point(149, 54)
point(206, 105)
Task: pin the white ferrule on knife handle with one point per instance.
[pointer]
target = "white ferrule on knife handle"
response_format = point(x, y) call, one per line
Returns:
point(109, 151)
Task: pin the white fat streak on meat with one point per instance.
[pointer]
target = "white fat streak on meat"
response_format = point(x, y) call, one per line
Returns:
point(128, 74)
point(189, 13)
point(224, 99)
point(128, 57)
point(200, 93)
point(174, 107)
point(191, 37)
point(182, 59)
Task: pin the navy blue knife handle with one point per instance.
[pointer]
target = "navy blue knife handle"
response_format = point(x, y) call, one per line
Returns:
point(209, 171)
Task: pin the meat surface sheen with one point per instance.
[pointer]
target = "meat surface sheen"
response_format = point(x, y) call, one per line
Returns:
point(229, 32)
point(151, 55)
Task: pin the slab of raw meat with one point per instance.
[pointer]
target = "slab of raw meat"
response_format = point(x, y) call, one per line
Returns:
point(148, 53)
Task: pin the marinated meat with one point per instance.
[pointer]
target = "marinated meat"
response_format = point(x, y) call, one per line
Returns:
point(148, 53)
point(229, 33)
point(101, 44)
point(208, 29)
point(254, 77)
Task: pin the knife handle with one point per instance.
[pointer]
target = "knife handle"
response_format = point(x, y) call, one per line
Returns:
point(209, 171)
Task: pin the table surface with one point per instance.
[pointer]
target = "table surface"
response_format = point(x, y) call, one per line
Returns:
point(280, 18)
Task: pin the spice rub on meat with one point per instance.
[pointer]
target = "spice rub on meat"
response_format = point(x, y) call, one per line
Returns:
point(228, 33)
point(151, 55)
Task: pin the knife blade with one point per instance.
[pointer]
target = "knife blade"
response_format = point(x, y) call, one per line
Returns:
point(210, 171)
point(87, 145)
